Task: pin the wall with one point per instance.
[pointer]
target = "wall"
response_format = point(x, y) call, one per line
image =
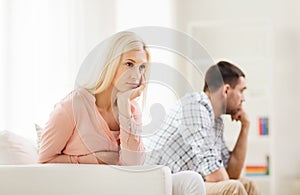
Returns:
point(286, 94)
point(3, 61)
point(281, 73)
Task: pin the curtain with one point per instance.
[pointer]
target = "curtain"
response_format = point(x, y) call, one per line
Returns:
point(43, 43)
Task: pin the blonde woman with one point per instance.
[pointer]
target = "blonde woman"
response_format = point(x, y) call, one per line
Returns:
point(99, 122)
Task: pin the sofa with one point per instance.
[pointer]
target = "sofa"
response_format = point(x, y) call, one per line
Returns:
point(21, 174)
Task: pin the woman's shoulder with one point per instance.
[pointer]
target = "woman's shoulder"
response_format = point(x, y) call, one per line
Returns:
point(76, 96)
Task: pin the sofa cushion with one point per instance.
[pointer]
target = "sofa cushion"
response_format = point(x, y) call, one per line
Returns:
point(78, 179)
point(39, 130)
point(15, 149)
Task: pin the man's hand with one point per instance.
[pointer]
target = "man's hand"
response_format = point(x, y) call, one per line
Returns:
point(241, 116)
point(218, 175)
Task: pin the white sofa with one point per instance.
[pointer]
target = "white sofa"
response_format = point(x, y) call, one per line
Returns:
point(20, 174)
point(64, 179)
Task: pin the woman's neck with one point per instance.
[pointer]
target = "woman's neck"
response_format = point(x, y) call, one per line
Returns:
point(105, 99)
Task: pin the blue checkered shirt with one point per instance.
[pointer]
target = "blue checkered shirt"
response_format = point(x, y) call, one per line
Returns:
point(190, 138)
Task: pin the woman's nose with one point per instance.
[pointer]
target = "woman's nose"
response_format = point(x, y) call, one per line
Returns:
point(136, 72)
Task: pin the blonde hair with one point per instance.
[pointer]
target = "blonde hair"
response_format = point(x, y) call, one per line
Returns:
point(99, 68)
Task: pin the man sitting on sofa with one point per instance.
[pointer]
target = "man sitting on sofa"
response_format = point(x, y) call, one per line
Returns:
point(192, 136)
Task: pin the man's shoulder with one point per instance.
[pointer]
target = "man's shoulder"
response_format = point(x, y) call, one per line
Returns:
point(197, 104)
point(195, 98)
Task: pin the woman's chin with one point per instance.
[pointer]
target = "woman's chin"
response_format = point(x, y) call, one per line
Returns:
point(121, 90)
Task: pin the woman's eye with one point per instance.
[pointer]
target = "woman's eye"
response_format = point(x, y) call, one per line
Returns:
point(142, 67)
point(129, 64)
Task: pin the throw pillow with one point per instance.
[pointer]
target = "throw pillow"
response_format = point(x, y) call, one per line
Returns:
point(39, 130)
point(15, 149)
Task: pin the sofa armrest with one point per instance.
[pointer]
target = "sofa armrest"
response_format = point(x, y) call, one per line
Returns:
point(46, 179)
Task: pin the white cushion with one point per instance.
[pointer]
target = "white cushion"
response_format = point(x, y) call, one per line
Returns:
point(78, 179)
point(15, 149)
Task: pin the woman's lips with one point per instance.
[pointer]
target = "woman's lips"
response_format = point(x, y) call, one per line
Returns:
point(133, 85)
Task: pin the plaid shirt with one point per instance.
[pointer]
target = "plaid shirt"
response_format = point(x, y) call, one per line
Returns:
point(190, 138)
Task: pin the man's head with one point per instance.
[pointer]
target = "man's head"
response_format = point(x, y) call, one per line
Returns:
point(227, 83)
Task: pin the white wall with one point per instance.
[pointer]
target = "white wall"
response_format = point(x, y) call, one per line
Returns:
point(138, 13)
point(280, 72)
point(286, 94)
point(3, 61)
point(202, 10)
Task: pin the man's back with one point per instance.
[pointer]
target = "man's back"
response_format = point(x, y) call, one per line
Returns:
point(190, 138)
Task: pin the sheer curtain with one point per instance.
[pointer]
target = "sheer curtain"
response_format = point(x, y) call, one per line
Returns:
point(43, 43)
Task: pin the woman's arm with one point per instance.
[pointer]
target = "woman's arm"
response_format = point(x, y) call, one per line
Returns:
point(54, 139)
point(132, 148)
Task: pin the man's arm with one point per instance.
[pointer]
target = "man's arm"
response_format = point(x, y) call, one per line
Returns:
point(218, 175)
point(238, 155)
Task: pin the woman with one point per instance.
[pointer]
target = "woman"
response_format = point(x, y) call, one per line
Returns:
point(99, 122)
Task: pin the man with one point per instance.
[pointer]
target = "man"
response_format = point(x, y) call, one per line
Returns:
point(191, 137)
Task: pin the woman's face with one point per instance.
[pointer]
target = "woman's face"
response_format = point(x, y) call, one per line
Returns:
point(131, 68)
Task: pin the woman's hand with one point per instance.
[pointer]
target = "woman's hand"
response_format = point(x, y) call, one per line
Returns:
point(124, 98)
point(107, 157)
point(133, 93)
